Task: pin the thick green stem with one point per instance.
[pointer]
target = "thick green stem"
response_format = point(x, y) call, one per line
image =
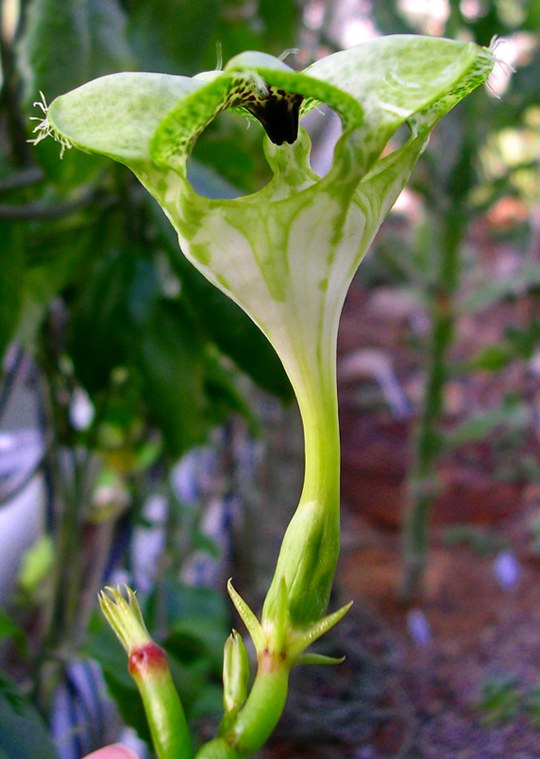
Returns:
point(168, 726)
point(310, 547)
point(149, 668)
point(258, 718)
point(305, 567)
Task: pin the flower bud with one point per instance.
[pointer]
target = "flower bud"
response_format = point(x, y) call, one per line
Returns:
point(235, 673)
point(149, 668)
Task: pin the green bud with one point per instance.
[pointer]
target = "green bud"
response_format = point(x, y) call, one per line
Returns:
point(123, 613)
point(235, 673)
point(149, 668)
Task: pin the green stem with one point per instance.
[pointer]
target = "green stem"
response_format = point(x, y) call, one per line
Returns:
point(257, 720)
point(149, 668)
point(306, 564)
point(166, 719)
point(310, 547)
point(422, 489)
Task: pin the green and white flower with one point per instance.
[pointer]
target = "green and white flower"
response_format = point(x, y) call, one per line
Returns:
point(287, 253)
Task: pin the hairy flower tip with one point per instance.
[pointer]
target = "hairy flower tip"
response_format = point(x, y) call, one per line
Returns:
point(43, 128)
point(124, 615)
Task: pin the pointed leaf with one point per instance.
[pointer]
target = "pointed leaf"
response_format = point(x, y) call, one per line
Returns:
point(306, 637)
point(313, 658)
point(246, 615)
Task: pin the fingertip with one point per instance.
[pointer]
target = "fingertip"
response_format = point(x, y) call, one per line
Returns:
point(116, 751)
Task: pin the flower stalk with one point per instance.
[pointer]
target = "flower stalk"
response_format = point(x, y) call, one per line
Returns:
point(148, 667)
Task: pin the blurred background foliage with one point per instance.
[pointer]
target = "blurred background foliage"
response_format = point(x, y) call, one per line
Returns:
point(128, 359)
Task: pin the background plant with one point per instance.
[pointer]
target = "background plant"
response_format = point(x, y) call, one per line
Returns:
point(457, 181)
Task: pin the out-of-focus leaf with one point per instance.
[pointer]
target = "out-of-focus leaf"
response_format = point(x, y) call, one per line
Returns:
point(524, 341)
point(68, 42)
point(488, 24)
point(36, 564)
point(223, 392)
point(498, 289)
point(181, 37)
point(195, 637)
point(174, 37)
point(532, 697)
point(22, 731)
point(206, 181)
point(513, 416)
point(500, 699)
point(72, 169)
point(170, 361)
point(113, 299)
point(199, 686)
point(43, 282)
point(185, 602)
point(12, 262)
point(493, 358)
point(109, 48)
point(280, 22)
point(232, 147)
point(121, 319)
point(8, 629)
point(480, 541)
point(54, 51)
point(532, 18)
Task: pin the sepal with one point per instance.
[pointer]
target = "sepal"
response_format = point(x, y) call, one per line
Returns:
point(313, 658)
point(305, 638)
point(247, 616)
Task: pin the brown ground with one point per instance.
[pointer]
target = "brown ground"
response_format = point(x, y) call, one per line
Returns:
point(397, 695)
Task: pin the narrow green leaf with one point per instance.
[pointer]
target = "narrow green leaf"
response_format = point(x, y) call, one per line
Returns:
point(514, 417)
point(313, 658)
point(306, 637)
point(247, 616)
